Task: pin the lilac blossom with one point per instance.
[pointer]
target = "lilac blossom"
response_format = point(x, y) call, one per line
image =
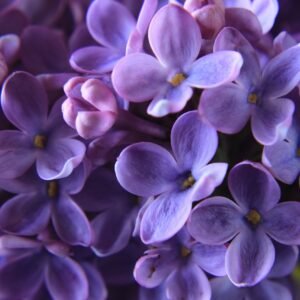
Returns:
point(256, 94)
point(177, 264)
point(250, 223)
point(168, 79)
point(146, 169)
point(41, 138)
point(37, 202)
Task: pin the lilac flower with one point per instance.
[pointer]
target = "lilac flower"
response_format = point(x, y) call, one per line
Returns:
point(38, 201)
point(169, 79)
point(250, 224)
point(41, 138)
point(256, 94)
point(178, 264)
point(146, 169)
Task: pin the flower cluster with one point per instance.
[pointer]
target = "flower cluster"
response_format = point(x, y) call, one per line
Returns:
point(149, 149)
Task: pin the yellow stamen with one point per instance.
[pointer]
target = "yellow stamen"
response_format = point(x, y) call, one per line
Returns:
point(253, 217)
point(177, 79)
point(52, 189)
point(185, 251)
point(298, 152)
point(187, 183)
point(252, 98)
point(40, 141)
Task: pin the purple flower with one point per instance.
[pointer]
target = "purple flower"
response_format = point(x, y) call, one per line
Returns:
point(250, 223)
point(177, 264)
point(38, 201)
point(146, 169)
point(41, 138)
point(257, 94)
point(168, 80)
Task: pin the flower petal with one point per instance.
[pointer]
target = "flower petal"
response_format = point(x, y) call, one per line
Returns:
point(282, 73)
point(165, 216)
point(281, 223)
point(229, 113)
point(136, 83)
point(215, 221)
point(70, 222)
point(253, 187)
point(215, 69)
point(249, 257)
point(146, 169)
point(94, 59)
point(60, 158)
point(112, 32)
point(65, 279)
point(172, 44)
point(194, 142)
point(24, 102)
point(25, 214)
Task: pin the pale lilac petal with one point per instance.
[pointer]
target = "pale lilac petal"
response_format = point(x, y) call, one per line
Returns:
point(65, 279)
point(194, 142)
point(16, 153)
point(253, 187)
point(282, 74)
point(226, 108)
point(172, 101)
point(60, 158)
point(281, 223)
point(112, 32)
point(215, 221)
point(249, 258)
point(282, 42)
point(269, 117)
point(208, 178)
point(24, 102)
point(189, 283)
point(146, 169)
point(165, 216)
point(136, 83)
point(171, 42)
point(94, 59)
point(223, 287)
point(215, 69)
point(25, 214)
point(70, 222)
point(10, 47)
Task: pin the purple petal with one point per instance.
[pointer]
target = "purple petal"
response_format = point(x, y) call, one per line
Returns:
point(65, 279)
point(194, 142)
point(268, 119)
point(12, 20)
point(282, 73)
point(60, 158)
point(24, 102)
point(223, 288)
point(215, 69)
point(146, 169)
point(165, 216)
point(281, 223)
point(112, 32)
point(94, 59)
point(249, 257)
point(136, 83)
point(172, 44)
point(25, 214)
point(16, 154)
point(70, 222)
point(229, 113)
point(215, 221)
point(188, 283)
point(253, 187)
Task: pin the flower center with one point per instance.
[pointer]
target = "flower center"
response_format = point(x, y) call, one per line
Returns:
point(252, 98)
point(253, 217)
point(185, 251)
point(188, 182)
point(298, 152)
point(177, 79)
point(40, 141)
point(52, 189)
